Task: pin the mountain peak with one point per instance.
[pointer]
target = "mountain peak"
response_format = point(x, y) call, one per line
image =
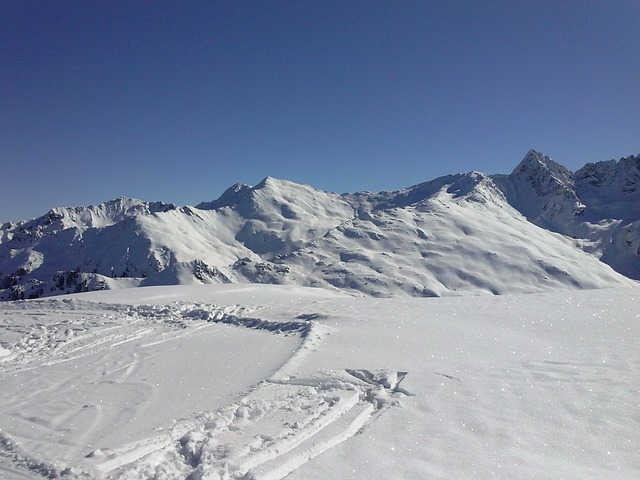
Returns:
point(611, 188)
point(534, 161)
point(542, 190)
point(542, 172)
point(420, 240)
point(535, 154)
point(232, 196)
point(621, 174)
point(267, 181)
point(533, 157)
point(244, 196)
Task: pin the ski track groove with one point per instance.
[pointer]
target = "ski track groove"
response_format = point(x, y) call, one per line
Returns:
point(277, 427)
point(281, 423)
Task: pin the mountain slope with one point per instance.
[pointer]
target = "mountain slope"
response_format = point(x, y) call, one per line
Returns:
point(278, 216)
point(542, 190)
point(599, 204)
point(458, 234)
point(464, 238)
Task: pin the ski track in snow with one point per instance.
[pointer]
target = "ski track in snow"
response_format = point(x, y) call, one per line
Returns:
point(280, 424)
point(39, 338)
point(277, 427)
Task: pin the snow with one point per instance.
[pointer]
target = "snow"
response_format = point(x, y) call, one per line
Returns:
point(598, 205)
point(456, 235)
point(463, 238)
point(266, 381)
point(199, 351)
point(543, 191)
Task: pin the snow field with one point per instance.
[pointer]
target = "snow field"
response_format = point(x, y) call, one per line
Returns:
point(277, 427)
point(309, 384)
point(97, 396)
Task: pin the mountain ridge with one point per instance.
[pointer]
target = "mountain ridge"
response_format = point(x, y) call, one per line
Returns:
point(541, 227)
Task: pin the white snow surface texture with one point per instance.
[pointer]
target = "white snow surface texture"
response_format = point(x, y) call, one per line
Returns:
point(541, 228)
point(147, 341)
point(271, 382)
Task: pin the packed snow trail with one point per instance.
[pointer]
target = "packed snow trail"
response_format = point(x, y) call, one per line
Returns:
point(83, 379)
point(117, 382)
point(277, 427)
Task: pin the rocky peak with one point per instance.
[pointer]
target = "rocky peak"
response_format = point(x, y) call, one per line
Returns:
point(543, 174)
point(611, 189)
point(92, 216)
point(542, 190)
point(622, 175)
point(110, 212)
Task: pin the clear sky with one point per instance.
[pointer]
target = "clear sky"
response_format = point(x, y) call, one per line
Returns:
point(176, 101)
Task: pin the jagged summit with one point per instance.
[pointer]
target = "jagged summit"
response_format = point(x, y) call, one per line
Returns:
point(542, 190)
point(92, 216)
point(532, 158)
point(611, 188)
point(622, 174)
point(457, 234)
point(545, 175)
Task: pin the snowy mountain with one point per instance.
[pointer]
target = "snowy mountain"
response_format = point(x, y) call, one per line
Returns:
point(599, 205)
point(542, 190)
point(540, 228)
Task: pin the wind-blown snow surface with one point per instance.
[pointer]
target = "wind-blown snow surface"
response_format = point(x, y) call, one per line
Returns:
point(256, 381)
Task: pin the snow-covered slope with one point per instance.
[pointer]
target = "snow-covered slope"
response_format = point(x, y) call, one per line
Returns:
point(278, 216)
point(458, 234)
point(599, 204)
point(270, 382)
point(128, 242)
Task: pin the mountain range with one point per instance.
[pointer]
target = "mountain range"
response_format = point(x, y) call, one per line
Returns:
point(540, 228)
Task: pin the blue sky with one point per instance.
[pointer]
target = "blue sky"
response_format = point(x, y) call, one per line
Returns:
point(176, 101)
